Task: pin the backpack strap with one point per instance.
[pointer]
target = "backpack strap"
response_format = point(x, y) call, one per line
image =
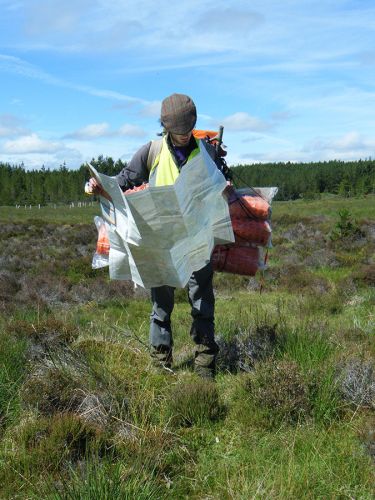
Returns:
point(154, 151)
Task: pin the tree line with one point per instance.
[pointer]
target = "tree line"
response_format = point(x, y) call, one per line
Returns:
point(19, 186)
point(310, 180)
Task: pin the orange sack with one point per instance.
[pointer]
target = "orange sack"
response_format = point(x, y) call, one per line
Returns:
point(236, 259)
point(251, 231)
point(102, 245)
point(245, 205)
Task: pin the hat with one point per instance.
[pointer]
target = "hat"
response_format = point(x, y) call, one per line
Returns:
point(178, 114)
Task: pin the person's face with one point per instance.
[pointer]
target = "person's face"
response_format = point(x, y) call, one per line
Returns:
point(181, 140)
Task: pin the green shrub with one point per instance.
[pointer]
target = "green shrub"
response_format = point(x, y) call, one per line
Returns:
point(346, 227)
point(80, 270)
point(279, 393)
point(194, 402)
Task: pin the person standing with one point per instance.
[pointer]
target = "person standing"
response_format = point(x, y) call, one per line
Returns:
point(159, 163)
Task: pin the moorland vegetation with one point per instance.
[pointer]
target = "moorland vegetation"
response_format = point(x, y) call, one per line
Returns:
point(83, 415)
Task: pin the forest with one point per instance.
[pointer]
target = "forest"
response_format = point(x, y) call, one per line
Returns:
point(20, 186)
point(309, 180)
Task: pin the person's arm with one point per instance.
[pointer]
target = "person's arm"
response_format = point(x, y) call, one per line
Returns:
point(135, 173)
point(94, 187)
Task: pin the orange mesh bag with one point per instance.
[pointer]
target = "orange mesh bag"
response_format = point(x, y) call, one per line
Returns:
point(249, 206)
point(245, 205)
point(236, 259)
point(102, 245)
point(101, 255)
point(253, 231)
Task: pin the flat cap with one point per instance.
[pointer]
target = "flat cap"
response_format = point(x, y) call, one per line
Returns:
point(178, 114)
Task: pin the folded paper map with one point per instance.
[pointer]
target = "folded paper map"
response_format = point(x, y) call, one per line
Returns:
point(161, 235)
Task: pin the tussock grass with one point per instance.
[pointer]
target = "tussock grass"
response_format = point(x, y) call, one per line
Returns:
point(106, 481)
point(194, 402)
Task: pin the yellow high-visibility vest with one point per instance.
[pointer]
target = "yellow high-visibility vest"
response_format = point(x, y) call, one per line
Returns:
point(164, 167)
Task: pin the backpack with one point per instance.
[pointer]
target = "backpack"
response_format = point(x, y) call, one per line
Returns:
point(210, 136)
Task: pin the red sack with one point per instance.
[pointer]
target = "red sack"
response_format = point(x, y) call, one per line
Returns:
point(251, 231)
point(236, 259)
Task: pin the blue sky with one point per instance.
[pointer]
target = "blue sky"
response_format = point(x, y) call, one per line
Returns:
point(290, 81)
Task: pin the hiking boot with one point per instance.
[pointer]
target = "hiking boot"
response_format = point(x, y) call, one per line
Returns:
point(205, 360)
point(161, 357)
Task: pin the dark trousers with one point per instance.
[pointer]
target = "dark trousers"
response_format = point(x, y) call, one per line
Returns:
point(202, 301)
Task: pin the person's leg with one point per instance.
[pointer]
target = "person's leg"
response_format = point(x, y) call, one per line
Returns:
point(161, 341)
point(202, 301)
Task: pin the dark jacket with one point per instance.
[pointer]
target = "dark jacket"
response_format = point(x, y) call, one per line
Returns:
point(136, 172)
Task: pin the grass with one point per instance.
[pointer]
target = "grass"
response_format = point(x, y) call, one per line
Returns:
point(49, 214)
point(83, 414)
point(302, 462)
point(328, 205)
point(12, 371)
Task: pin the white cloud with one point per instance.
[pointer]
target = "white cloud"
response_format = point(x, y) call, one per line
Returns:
point(346, 147)
point(91, 131)
point(350, 142)
point(131, 131)
point(242, 121)
point(71, 157)
point(31, 143)
point(98, 130)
